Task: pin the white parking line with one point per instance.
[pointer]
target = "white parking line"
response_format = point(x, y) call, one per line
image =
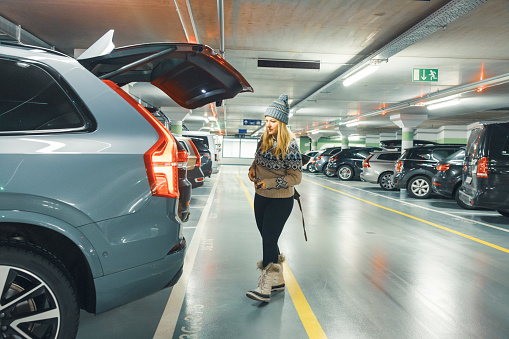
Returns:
point(171, 313)
point(414, 205)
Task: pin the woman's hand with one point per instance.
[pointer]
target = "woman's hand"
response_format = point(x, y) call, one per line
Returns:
point(252, 174)
point(260, 184)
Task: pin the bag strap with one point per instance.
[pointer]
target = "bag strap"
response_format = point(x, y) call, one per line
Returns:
point(296, 196)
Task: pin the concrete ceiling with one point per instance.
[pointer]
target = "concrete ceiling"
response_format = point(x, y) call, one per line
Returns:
point(466, 45)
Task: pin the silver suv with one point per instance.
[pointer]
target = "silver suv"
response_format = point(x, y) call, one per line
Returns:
point(88, 179)
point(378, 168)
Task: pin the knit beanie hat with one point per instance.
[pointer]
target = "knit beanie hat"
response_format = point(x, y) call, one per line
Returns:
point(279, 109)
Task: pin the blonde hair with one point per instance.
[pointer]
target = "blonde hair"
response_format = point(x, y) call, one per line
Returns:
point(283, 140)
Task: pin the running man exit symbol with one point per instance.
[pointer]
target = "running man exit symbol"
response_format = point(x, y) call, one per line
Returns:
point(425, 74)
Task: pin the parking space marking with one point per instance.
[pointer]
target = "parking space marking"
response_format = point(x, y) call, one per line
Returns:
point(423, 207)
point(171, 313)
point(306, 314)
point(418, 219)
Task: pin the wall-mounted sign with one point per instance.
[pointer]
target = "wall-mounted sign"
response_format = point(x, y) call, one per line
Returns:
point(252, 122)
point(425, 74)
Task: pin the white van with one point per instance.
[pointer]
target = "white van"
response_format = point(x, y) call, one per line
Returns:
point(210, 141)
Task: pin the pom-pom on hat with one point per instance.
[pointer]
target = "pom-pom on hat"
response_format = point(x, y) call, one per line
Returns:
point(279, 109)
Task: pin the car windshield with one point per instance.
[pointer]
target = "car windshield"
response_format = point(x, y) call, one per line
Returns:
point(459, 155)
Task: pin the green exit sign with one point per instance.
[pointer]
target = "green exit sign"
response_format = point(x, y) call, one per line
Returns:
point(425, 74)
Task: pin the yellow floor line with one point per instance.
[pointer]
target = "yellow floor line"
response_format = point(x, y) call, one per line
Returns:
point(415, 218)
point(311, 324)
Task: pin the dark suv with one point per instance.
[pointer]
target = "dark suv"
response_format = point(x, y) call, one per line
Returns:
point(347, 164)
point(323, 159)
point(89, 179)
point(486, 172)
point(416, 167)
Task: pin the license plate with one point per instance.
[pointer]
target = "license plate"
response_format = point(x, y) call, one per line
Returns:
point(468, 180)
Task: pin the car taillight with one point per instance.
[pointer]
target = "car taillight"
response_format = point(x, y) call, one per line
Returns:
point(319, 157)
point(334, 158)
point(198, 158)
point(182, 158)
point(161, 160)
point(399, 166)
point(365, 163)
point(482, 168)
point(443, 167)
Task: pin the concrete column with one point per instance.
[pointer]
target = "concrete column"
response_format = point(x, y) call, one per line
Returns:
point(176, 127)
point(345, 132)
point(372, 140)
point(407, 122)
point(452, 134)
point(314, 140)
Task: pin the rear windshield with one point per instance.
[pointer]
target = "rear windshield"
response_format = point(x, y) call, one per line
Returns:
point(331, 151)
point(459, 155)
point(473, 145)
point(200, 146)
point(389, 156)
point(499, 142)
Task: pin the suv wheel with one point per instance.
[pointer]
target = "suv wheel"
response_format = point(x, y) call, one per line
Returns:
point(312, 168)
point(419, 187)
point(329, 174)
point(461, 203)
point(38, 297)
point(504, 213)
point(345, 173)
point(386, 182)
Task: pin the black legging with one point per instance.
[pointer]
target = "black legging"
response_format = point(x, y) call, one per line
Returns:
point(271, 215)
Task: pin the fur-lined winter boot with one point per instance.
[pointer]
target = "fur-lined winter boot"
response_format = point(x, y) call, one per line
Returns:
point(262, 292)
point(279, 280)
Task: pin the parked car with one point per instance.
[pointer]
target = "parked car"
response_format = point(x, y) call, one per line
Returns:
point(209, 141)
point(89, 180)
point(347, 164)
point(163, 119)
point(395, 144)
point(323, 159)
point(378, 168)
point(184, 184)
point(486, 173)
point(312, 162)
point(416, 167)
point(194, 172)
point(310, 154)
point(205, 156)
point(449, 177)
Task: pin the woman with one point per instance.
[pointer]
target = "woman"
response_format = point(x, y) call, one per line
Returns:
point(276, 169)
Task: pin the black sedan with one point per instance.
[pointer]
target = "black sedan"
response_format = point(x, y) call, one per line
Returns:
point(347, 164)
point(448, 179)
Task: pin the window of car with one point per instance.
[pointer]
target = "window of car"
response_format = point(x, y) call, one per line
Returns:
point(32, 100)
point(420, 154)
point(440, 154)
point(389, 156)
point(200, 146)
point(473, 146)
point(499, 142)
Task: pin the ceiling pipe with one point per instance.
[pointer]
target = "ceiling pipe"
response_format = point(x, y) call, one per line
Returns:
point(220, 13)
point(489, 82)
point(20, 35)
point(191, 16)
point(220, 10)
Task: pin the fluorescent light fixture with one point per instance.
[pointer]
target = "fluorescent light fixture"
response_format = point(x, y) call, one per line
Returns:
point(436, 101)
point(359, 75)
point(444, 104)
point(351, 124)
point(315, 131)
point(211, 118)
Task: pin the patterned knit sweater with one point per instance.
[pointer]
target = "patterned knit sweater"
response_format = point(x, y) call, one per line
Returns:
point(280, 175)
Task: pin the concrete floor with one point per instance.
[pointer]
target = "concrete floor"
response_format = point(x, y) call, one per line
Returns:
point(376, 265)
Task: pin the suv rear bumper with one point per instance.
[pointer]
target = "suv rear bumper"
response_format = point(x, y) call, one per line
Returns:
point(122, 287)
point(399, 181)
